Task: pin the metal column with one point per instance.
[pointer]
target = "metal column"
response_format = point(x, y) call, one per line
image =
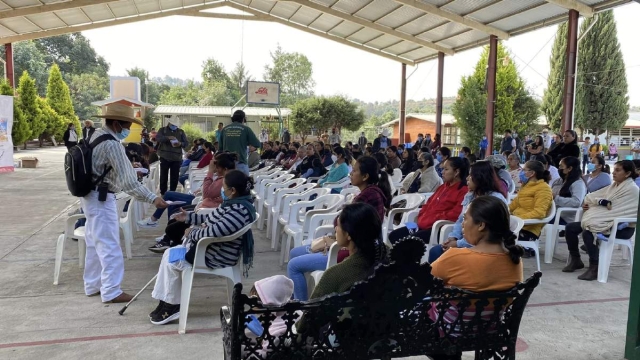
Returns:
point(439, 93)
point(403, 99)
point(491, 90)
point(8, 50)
point(570, 72)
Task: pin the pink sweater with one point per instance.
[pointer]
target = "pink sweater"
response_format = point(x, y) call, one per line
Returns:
point(211, 192)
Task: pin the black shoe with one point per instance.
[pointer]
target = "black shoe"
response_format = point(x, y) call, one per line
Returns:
point(159, 248)
point(528, 253)
point(583, 248)
point(166, 314)
point(158, 308)
point(561, 233)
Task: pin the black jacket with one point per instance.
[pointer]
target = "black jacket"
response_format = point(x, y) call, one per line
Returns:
point(87, 133)
point(563, 150)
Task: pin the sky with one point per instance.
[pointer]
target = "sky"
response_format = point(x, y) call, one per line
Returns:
point(178, 45)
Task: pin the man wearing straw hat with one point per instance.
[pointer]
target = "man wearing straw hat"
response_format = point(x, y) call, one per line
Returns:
point(104, 264)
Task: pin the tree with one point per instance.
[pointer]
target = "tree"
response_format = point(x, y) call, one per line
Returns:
point(55, 125)
point(85, 89)
point(213, 71)
point(28, 104)
point(511, 94)
point(20, 132)
point(59, 97)
point(601, 97)
point(294, 72)
point(187, 95)
point(552, 100)
point(239, 77)
point(305, 115)
point(27, 57)
point(73, 53)
point(325, 112)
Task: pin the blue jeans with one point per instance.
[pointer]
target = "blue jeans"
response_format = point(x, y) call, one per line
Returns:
point(173, 196)
point(300, 262)
point(182, 179)
point(435, 252)
point(243, 167)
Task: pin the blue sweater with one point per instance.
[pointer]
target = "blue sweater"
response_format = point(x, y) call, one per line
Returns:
point(337, 173)
point(457, 227)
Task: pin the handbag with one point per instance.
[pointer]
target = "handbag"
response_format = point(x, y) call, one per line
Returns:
point(322, 244)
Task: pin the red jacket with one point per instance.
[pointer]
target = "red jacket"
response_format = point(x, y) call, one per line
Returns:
point(444, 204)
point(206, 159)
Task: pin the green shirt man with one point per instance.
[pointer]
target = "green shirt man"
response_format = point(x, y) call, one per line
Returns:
point(236, 137)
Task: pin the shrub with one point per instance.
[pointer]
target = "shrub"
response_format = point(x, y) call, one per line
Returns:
point(193, 132)
point(211, 136)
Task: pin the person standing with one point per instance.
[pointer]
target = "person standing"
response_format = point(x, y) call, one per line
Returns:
point(236, 137)
point(264, 137)
point(613, 151)
point(508, 142)
point(70, 136)
point(334, 138)
point(381, 142)
point(104, 264)
point(171, 140)
point(286, 136)
point(88, 130)
point(635, 149)
point(362, 141)
point(484, 144)
point(546, 138)
point(584, 149)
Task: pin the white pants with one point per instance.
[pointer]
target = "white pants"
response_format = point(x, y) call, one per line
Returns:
point(104, 263)
point(168, 286)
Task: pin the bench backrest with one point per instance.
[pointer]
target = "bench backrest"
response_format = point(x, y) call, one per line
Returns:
point(400, 311)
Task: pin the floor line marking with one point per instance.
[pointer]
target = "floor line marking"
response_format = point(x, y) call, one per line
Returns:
point(573, 302)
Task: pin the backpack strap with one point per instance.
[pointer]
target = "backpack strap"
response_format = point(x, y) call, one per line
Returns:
point(95, 143)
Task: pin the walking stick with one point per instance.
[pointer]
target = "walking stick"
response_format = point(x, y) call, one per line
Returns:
point(121, 312)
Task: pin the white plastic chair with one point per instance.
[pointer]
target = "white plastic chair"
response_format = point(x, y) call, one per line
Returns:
point(261, 179)
point(264, 171)
point(287, 203)
point(332, 259)
point(349, 193)
point(552, 233)
point(346, 181)
point(270, 198)
point(413, 201)
point(606, 248)
point(233, 273)
point(126, 220)
point(426, 197)
point(535, 245)
point(70, 233)
point(396, 178)
point(297, 228)
point(278, 208)
point(316, 221)
point(265, 189)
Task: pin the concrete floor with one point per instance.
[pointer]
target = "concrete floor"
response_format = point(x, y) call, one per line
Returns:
point(566, 319)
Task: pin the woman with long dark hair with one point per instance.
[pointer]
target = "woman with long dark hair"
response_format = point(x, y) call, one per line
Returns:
point(408, 161)
point(482, 180)
point(599, 176)
point(568, 147)
point(569, 190)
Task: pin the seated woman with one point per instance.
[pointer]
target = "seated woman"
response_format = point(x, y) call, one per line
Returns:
point(236, 212)
point(425, 179)
point(546, 161)
point(482, 180)
point(499, 164)
point(358, 229)
point(204, 161)
point(444, 204)
point(339, 169)
point(382, 160)
point(600, 209)
point(599, 176)
point(569, 191)
point(514, 170)
point(533, 200)
point(211, 198)
point(408, 161)
point(374, 190)
point(307, 161)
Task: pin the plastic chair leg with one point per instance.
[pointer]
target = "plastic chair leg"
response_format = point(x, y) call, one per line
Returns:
point(550, 243)
point(261, 215)
point(126, 232)
point(284, 251)
point(268, 221)
point(82, 252)
point(59, 252)
point(187, 282)
point(604, 261)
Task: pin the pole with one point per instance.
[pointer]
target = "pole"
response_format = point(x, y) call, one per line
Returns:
point(8, 50)
point(569, 79)
point(491, 90)
point(439, 93)
point(403, 99)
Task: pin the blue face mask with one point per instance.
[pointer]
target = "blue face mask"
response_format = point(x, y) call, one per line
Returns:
point(224, 197)
point(439, 157)
point(462, 155)
point(123, 134)
point(591, 166)
point(523, 177)
point(173, 127)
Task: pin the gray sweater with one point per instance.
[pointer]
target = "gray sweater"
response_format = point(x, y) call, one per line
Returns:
point(578, 191)
point(597, 183)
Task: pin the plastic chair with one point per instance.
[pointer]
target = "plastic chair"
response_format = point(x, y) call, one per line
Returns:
point(266, 189)
point(607, 246)
point(233, 273)
point(413, 201)
point(346, 181)
point(535, 245)
point(278, 207)
point(264, 171)
point(396, 178)
point(349, 193)
point(287, 203)
point(270, 197)
point(126, 220)
point(261, 179)
point(70, 233)
point(316, 221)
point(552, 234)
point(332, 259)
point(296, 229)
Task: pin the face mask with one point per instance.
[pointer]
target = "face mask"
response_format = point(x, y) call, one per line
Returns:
point(439, 157)
point(224, 197)
point(420, 138)
point(428, 137)
point(420, 163)
point(484, 138)
point(591, 167)
point(523, 177)
point(173, 127)
point(462, 155)
point(123, 134)
point(562, 174)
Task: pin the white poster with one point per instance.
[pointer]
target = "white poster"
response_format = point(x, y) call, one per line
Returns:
point(259, 92)
point(6, 124)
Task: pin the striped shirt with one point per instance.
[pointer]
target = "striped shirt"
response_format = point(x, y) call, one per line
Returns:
point(222, 221)
point(122, 176)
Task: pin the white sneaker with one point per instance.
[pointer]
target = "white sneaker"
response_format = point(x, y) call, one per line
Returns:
point(148, 223)
point(159, 238)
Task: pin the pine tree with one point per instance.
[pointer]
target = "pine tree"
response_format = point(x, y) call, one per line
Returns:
point(20, 131)
point(59, 97)
point(552, 100)
point(28, 103)
point(55, 124)
point(601, 97)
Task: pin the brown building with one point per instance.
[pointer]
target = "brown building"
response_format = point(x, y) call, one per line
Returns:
point(425, 124)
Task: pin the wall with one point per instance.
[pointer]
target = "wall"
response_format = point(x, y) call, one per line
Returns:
point(412, 128)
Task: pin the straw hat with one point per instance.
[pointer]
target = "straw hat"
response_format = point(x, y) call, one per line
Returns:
point(120, 112)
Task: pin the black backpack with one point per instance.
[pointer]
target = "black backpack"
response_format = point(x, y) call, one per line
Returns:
point(78, 167)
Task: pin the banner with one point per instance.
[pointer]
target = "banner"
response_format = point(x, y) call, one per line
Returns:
point(6, 124)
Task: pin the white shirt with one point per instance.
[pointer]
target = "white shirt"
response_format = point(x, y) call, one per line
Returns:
point(264, 137)
point(546, 139)
point(73, 136)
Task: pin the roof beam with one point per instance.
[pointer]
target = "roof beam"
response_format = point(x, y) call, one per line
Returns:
point(106, 23)
point(432, 9)
point(321, 34)
point(583, 9)
point(372, 25)
point(225, 16)
point(25, 11)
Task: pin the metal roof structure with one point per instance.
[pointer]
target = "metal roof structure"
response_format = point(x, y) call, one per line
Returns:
point(408, 31)
point(205, 111)
point(123, 99)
